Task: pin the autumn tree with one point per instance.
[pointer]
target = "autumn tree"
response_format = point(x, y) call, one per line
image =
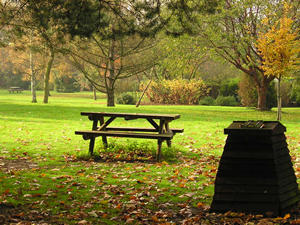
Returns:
point(9, 74)
point(231, 34)
point(279, 49)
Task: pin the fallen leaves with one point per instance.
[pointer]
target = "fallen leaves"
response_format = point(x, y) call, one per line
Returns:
point(85, 192)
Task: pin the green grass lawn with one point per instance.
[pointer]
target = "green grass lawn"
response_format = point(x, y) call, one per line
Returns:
point(48, 176)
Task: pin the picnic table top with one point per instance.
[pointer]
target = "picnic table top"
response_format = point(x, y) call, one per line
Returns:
point(15, 87)
point(133, 115)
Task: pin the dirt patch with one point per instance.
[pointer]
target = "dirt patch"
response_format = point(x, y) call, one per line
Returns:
point(16, 164)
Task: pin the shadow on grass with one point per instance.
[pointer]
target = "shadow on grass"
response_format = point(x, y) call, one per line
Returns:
point(130, 153)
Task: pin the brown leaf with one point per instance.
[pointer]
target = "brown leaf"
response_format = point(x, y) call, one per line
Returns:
point(129, 220)
point(155, 219)
point(295, 222)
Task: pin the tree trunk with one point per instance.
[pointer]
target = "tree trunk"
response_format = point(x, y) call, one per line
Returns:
point(47, 77)
point(33, 80)
point(95, 93)
point(262, 97)
point(110, 97)
point(278, 100)
point(33, 88)
point(110, 89)
point(262, 83)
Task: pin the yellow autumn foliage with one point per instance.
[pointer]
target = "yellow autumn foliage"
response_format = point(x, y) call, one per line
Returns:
point(279, 48)
point(178, 91)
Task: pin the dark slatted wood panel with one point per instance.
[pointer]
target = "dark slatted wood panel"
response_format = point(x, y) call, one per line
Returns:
point(255, 173)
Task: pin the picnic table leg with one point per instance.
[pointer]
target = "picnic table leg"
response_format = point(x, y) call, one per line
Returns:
point(104, 138)
point(92, 140)
point(160, 141)
point(158, 154)
point(169, 142)
point(92, 144)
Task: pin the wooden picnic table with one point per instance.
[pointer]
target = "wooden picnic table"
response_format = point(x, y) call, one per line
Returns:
point(15, 89)
point(160, 128)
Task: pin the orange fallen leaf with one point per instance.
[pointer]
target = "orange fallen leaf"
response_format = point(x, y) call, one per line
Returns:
point(119, 206)
point(154, 218)
point(182, 185)
point(200, 205)
point(20, 214)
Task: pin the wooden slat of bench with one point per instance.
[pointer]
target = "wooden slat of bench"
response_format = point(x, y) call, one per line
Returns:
point(132, 115)
point(141, 129)
point(124, 134)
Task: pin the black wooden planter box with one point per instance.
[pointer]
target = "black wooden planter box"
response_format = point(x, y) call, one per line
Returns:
point(255, 174)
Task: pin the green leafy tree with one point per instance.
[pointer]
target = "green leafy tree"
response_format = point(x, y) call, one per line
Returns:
point(117, 51)
point(105, 62)
point(180, 57)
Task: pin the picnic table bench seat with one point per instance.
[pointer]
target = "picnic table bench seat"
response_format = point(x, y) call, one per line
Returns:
point(141, 129)
point(87, 134)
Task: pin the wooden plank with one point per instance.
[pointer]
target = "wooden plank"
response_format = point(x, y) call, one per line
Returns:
point(132, 115)
point(92, 140)
point(253, 180)
point(125, 134)
point(251, 188)
point(246, 197)
point(141, 129)
point(104, 139)
point(254, 167)
point(249, 207)
point(254, 147)
point(290, 202)
point(105, 124)
point(133, 129)
point(246, 139)
point(153, 123)
point(284, 159)
point(268, 128)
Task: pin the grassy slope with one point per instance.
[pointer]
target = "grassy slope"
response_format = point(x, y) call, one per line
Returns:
point(44, 133)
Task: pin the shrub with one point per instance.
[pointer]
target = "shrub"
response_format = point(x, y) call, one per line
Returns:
point(271, 96)
point(127, 99)
point(176, 91)
point(286, 88)
point(66, 84)
point(226, 101)
point(230, 88)
point(207, 101)
point(295, 93)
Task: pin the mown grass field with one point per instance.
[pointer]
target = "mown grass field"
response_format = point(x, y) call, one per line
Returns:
point(46, 175)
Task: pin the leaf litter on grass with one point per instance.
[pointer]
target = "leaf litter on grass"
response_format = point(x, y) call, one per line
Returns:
point(123, 192)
